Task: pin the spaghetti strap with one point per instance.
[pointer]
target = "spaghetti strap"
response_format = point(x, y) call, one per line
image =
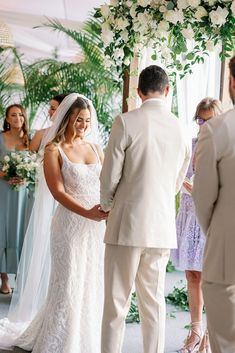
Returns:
point(96, 152)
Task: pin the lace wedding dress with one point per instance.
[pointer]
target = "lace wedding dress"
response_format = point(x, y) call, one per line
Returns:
point(70, 320)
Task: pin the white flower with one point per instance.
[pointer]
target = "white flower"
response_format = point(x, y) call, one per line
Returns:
point(114, 3)
point(13, 155)
point(162, 8)
point(125, 35)
point(106, 34)
point(129, 3)
point(133, 11)
point(105, 10)
point(210, 45)
point(127, 62)
point(5, 168)
point(118, 54)
point(188, 32)
point(194, 3)
point(174, 16)
point(122, 23)
point(201, 12)
point(143, 19)
point(165, 52)
point(182, 4)
point(7, 158)
point(233, 7)
point(218, 16)
point(163, 26)
point(143, 3)
point(211, 2)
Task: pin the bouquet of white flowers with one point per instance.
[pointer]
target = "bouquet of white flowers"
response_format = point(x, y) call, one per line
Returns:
point(22, 165)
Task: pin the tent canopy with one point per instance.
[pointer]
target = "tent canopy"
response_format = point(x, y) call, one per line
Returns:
point(22, 16)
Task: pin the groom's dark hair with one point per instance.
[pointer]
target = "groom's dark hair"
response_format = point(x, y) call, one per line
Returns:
point(153, 79)
point(232, 66)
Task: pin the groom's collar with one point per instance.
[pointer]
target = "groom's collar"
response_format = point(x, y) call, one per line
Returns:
point(157, 100)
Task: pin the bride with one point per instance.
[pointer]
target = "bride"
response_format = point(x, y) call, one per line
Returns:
point(70, 319)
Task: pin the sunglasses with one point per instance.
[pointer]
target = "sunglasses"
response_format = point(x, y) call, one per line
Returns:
point(200, 121)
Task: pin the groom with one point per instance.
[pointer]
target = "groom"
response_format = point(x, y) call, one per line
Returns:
point(145, 164)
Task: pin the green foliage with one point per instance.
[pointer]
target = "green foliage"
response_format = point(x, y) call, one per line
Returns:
point(49, 77)
point(133, 315)
point(179, 298)
point(170, 267)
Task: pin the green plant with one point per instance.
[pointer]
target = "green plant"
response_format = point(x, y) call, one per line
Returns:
point(170, 267)
point(174, 29)
point(133, 315)
point(179, 298)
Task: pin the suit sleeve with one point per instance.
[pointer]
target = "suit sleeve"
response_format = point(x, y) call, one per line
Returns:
point(184, 167)
point(206, 181)
point(113, 164)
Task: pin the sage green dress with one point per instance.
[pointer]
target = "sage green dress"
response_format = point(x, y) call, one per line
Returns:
point(13, 219)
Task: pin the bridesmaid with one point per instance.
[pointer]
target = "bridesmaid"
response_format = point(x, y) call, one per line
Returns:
point(36, 140)
point(188, 257)
point(14, 137)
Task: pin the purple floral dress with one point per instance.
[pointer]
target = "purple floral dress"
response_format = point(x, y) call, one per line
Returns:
point(190, 237)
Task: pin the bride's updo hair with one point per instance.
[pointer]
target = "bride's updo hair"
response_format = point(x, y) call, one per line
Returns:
point(80, 104)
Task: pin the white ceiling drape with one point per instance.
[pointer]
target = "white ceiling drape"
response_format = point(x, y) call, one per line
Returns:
point(21, 16)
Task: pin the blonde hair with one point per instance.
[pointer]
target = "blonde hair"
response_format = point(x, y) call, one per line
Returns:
point(209, 104)
point(80, 104)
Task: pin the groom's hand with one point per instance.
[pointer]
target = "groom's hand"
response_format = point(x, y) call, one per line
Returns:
point(96, 214)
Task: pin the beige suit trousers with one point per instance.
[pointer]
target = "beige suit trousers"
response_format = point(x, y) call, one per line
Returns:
point(144, 267)
point(220, 308)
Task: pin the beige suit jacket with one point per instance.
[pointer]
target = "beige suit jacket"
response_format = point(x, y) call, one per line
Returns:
point(145, 164)
point(214, 196)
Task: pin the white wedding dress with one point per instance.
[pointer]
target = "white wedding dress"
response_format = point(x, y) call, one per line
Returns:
point(70, 320)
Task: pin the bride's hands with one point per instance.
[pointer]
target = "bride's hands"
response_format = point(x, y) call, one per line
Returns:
point(96, 214)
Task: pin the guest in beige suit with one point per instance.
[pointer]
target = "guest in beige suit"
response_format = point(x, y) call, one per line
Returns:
point(214, 197)
point(145, 164)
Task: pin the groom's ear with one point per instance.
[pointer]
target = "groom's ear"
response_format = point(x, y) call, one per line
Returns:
point(140, 94)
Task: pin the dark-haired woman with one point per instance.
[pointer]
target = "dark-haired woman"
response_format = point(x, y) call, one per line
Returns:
point(14, 137)
point(53, 105)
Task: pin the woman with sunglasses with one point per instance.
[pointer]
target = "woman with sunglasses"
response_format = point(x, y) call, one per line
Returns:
point(188, 257)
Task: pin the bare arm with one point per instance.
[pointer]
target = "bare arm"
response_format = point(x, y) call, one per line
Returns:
point(54, 179)
point(36, 140)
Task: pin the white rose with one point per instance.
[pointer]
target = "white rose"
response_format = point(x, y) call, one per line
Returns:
point(114, 3)
point(122, 23)
point(5, 168)
point(162, 9)
point(127, 62)
point(194, 3)
point(143, 3)
point(165, 52)
point(129, 3)
point(174, 16)
point(107, 62)
point(105, 10)
point(118, 54)
point(133, 11)
point(106, 34)
point(7, 159)
point(210, 45)
point(163, 26)
point(218, 16)
point(188, 33)
point(125, 36)
point(143, 18)
point(201, 12)
point(182, 4)
point(13, 155)
point(233, 7)
point(211, 2)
